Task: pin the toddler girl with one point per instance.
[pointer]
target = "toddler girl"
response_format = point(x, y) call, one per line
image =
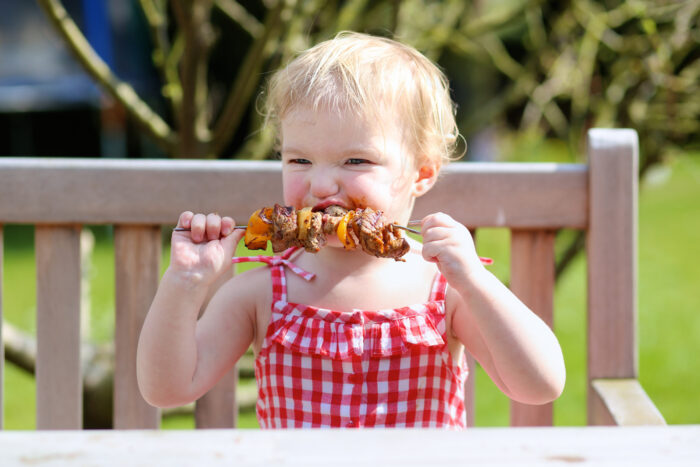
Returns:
point(343, 338)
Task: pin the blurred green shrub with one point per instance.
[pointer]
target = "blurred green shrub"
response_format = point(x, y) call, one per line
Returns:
point(553, 68)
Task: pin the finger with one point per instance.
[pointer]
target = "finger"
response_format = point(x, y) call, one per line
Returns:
point(185, 219)
point(229, 242)
point(430, 221)
point(436, 234)
point(198, 227)
point(438, 248)
point(443, 227)
point(429, 257)
point(213, 226)
point(431, 251)
point(227, 224)
point(439, 219)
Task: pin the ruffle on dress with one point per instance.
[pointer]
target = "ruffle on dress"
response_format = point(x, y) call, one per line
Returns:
point(338, 335)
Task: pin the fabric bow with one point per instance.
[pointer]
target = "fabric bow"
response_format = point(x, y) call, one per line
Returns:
point(276, 261)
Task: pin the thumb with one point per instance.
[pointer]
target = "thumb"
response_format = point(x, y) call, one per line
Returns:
point(229, 242)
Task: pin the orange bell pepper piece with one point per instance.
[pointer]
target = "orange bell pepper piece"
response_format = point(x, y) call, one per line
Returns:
point(259, 229)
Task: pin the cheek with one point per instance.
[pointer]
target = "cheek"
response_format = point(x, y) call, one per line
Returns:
point(398, 185)
point(377, 185)
point(293, 190)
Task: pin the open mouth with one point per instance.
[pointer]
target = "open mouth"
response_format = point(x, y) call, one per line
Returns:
point(330, 208)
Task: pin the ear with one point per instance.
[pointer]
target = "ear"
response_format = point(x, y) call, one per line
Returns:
point(426, 176)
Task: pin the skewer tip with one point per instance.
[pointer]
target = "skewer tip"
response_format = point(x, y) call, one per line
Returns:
point(187, 229)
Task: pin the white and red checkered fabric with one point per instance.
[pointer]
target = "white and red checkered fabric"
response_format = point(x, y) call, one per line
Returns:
point(388, 368)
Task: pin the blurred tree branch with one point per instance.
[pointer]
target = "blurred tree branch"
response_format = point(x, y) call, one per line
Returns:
point(183, 35)
point(560, 68)
point(121, 91)
point(568, 67)
point(192, 18)
point(240, 15)
point(166, 54)
point(247, 79)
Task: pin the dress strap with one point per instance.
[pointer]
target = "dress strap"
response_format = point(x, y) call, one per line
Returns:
point(438, 292)
point(272, 261)
point(277, 265)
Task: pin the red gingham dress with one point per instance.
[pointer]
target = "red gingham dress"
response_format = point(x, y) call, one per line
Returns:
point(326, 368)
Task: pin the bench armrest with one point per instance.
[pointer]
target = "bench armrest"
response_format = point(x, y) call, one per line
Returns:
point(626, 402)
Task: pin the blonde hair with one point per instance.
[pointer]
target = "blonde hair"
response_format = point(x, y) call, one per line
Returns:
point(364, 74)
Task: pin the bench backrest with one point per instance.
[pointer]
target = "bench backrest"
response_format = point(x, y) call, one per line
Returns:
point(137, 197)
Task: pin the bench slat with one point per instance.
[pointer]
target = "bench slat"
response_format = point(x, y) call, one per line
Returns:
point(2, 344)
point(653, 446)
point(137, 251)
point(624, 402)
point(470, 383)
point(510, 195)
point(532, 280)
point(470, 390)
point(58, 373)
point(612, 259)
point(106, 191)
point(218, 408)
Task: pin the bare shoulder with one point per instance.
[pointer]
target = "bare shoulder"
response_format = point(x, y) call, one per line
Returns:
point(251, 292)
point(247, 288)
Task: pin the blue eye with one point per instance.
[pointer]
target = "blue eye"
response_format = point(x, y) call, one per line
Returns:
point(299, 160)
point(357, 161)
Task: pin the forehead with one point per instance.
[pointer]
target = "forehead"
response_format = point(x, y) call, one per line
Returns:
point(309, 128)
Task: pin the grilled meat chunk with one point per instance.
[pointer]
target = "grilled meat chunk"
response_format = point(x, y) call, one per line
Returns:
point(331, 217)
point(335, 211)
point(395, 245)
point(284, 228)
point(377, 237)
point(315, 236)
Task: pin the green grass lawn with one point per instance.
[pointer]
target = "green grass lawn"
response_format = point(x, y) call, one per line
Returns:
point(669, 327)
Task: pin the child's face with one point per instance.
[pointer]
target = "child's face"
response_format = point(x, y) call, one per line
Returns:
point(339, 158)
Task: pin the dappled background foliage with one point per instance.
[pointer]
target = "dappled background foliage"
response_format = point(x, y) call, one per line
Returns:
point(553, 69)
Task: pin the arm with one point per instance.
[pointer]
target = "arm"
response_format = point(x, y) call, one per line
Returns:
point(180, 357)
point(515, 347)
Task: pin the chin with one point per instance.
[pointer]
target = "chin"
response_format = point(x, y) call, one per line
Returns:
point(333, 242)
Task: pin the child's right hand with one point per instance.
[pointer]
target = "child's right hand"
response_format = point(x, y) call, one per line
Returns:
point(205, 252)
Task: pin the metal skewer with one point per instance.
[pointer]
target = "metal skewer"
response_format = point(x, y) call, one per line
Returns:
point(396, 226)
point(187, 229)
point(408, 229)
point(486, 261)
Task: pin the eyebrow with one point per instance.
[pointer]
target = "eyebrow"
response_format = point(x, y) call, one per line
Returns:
point(361, 150)
point(291, 150)
point(355, 150)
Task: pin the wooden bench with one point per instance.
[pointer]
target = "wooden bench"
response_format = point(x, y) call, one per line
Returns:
point(137, 197)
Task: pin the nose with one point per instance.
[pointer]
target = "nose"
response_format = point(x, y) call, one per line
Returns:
point(323, 183)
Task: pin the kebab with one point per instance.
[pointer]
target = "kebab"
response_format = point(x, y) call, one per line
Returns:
point(285, 227)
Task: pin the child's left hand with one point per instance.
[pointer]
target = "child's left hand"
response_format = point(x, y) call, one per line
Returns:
point(449, 244)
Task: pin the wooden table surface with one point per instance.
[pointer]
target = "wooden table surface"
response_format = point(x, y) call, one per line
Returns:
point(594, 446)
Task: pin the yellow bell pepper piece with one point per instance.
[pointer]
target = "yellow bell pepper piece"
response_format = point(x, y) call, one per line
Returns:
point(303, 223)
point(342, 231)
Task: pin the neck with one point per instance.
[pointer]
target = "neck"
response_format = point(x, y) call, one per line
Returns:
point(340, 262)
